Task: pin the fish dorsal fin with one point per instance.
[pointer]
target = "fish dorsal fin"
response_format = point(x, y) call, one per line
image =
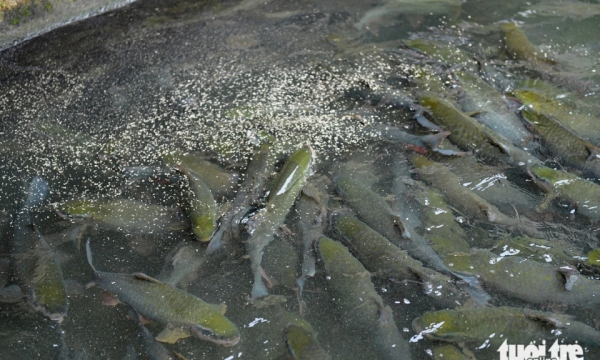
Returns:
point(399, 226)
point(570, 275)
point(142, 276)
point(548, 319)
point(172, 335)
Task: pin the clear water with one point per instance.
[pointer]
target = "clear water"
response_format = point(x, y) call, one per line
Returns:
point(85, 101)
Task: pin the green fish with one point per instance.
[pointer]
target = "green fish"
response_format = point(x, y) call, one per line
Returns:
point(302, 344)
point(37, 271)
point(201, 206)
point(219, 181)
point(528, 280)
point(253, 186)
point(376, 213)
point(519, 47)
point(516, 325)
point(464, 199)
point(183, 314)
point(282, 195)
point(380, 256)
point(582, 193)
point(129, 215)
point(361, 307)
point(559, 140)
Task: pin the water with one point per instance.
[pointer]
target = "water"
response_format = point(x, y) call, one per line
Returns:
point(83, 102)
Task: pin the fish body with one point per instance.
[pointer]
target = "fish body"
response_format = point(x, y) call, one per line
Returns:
point(130, 215)
point(282, 195)
point(583, 193)
point(152, 348)
point(420, 143)
point(376, 213)
point(361, 307)
point(515, 324)
point(253, 186)
point(560, 141)
point(526, 279)
point(467, 201)
point(167, 305)
point(38, 273)
point(201, 206)
point(478, 96)
point(302, 344)
point(380, 256)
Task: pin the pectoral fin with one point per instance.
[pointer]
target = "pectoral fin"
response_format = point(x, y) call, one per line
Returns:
point(221, 308)
point(570, 274)
point(549, 320)
point(142, 276)
point(171, 336)
point(399, 226)
point(503, 147)
point(593, 150)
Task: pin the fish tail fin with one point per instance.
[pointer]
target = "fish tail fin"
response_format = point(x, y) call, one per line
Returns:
point(88, 252)
point(37, 192)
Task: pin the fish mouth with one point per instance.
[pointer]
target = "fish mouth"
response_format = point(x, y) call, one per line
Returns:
point(208, 335)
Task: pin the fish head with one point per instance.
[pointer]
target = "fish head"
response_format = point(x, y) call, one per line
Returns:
point(297, 338)
point(216, 328)
point(544, 176)
point(343, 224)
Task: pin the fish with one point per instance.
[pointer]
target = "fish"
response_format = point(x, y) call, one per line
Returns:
point(258, 171)
point(152, 348)
point(528, 280)
point(127, 215)
point(410, 8)
point(519, 47)
point(476, 326)
point(302, 344)
point(376, 213)
point(443, 52)
point(362, 309)
point(477, 96)
point(182, 264)
point(220, 182)
point(421, 144)
point(556, 251)
point(582, 193)
point(34, 263)
point(580, 118)
point(311, 218)
point(182, 313)
point(201, 206)
point(560, 141)
point(380, 256)
point(281, 197)
point(464, 199)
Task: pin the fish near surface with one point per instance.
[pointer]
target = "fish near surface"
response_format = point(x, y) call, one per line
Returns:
point(183, 314)
point(511, 324)
point(361, 307)
point(380, 256)
point(450, 185)
point(282, 195)
point(582, 193)
point(560, 141)
point(528, 280)
point(35, 265)
point(376, 213)
point(201, 206)
point(129, 215)
point(302, 344)
point(519, 47)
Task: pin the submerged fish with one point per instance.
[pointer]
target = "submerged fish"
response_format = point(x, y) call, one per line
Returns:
point(282, 195)
point(361, 307)
point(130, 215)
point(529, 280)
point(152, 348)
point(582, 193)
point(36, 268)
point(201, 206)
point(183, 314)
point(511, 324)
point(302, 344)
point(376, 213)
point(420, 144)
point(380, 256)
point(467, 201)
point(560, 141)
point(253, 186)
point(519, 47)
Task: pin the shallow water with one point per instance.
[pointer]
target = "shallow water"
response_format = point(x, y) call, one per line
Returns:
point(83, 102)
